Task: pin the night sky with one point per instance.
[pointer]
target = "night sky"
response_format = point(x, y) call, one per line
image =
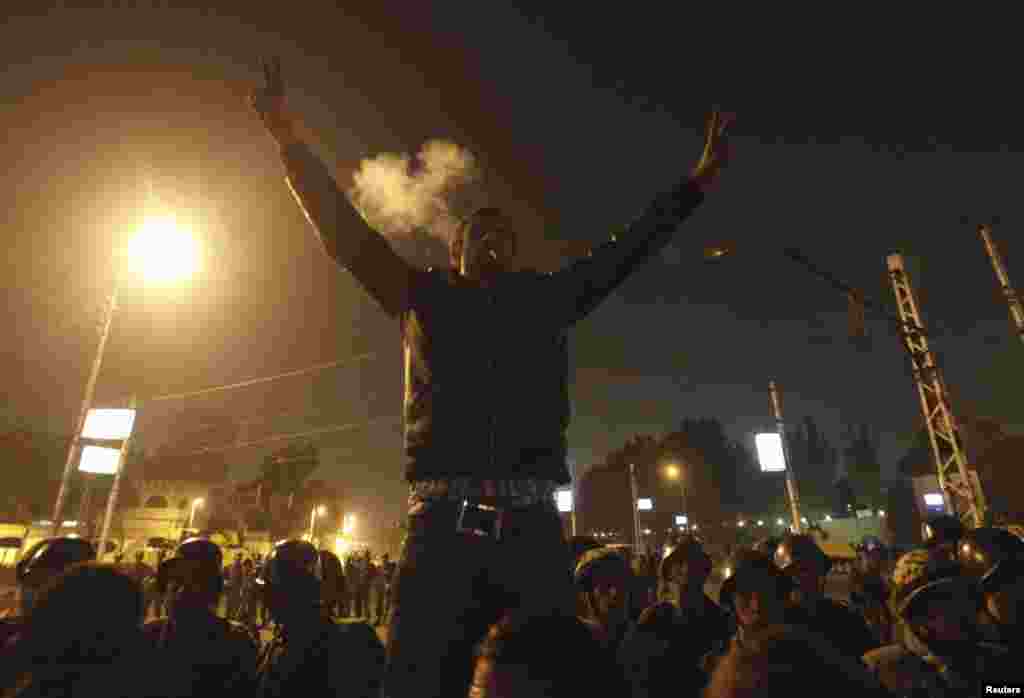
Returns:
point(855, 136)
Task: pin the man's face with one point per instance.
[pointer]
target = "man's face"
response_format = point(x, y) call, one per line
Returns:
point(610, 598)
point(690, 573)
point(757, 607)
point(488, 246)
point(806, 577)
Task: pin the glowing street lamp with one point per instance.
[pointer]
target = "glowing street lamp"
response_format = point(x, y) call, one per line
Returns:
point(192, 516)
point(349, 525)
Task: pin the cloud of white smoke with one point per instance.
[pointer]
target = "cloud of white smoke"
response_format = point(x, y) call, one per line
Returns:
point(398, 194)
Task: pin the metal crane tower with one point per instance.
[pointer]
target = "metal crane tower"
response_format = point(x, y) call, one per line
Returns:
point(1016, 309)
point(962, 491)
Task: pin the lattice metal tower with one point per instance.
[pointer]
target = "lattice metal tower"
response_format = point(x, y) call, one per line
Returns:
point(962, 491)
point(1016, 309)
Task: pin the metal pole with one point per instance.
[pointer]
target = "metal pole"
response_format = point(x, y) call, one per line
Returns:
point(686, 513)
point(1016, 309)
point(572, 514)
point(636, 511)
point(794, 497)
point(90, 389)
point(115, 490)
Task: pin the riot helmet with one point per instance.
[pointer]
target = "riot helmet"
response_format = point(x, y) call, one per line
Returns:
point(992, 556)
point(50, 557)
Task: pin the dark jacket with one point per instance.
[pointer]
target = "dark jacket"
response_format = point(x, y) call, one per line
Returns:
point(486, 369)
point(213, 658)
point(328, 659)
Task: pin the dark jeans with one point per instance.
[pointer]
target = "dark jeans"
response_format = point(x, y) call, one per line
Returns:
point(451, 587)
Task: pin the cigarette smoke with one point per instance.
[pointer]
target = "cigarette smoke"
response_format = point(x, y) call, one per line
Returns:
point(398, 194)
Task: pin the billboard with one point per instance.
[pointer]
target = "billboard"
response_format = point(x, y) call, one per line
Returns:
point(769, 452)
point(108, 424)
point(99, 460)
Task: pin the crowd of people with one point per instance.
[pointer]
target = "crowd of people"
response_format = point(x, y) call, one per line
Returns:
point(940, 621)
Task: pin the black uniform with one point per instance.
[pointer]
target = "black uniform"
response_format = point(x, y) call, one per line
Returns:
point(323, 658)
point(207, 655)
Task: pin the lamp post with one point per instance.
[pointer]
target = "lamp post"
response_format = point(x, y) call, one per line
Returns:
point(159, 252)
point(674, 472)
point(317, 511)
point(192, 516)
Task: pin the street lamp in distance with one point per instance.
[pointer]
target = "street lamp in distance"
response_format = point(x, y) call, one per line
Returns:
point(196, 503)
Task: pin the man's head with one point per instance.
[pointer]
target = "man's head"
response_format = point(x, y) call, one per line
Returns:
point(686, 566)
point(484, 245)
point(759, 591)
point(45, 561)
point(994, 557)
point(604, 577)
point(934, 598)
point(192, 576)
point(290, 581)
point(806, 564)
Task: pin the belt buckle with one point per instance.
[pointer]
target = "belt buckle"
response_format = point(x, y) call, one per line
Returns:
point(480, 520)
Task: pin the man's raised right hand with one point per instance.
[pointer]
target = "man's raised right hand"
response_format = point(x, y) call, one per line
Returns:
point(269, 102)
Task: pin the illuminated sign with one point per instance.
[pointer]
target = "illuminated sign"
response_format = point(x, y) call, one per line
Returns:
point(645, 504)
point(564, 500)
point(108, 424)
point(770, 453)
point(100, 461)
point(934, 499)
point(681, 520)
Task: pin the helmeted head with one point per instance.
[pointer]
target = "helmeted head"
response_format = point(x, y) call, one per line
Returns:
point(755, 590)
point(934, 598)
point(484, 244)
point(800, 557)
point(290, 579)
point(686, 564)
point(871, 554)
point(994, 557)
point(942, 531)
point(768, 546)
point(604, 577)
point(46, 560)
point(193, 575)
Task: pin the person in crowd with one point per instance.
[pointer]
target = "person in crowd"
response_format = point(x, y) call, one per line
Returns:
point(379, 589)
point(758, 594)
point(38, 567)
point(366, 574)
point(235, 585)
point(800, 557)
point(941, 533)
point(46, 560)
point(939, 652)
point(673, 635)
point(210, 655)
point(869, 590)
point(311, 654)
point(333, 584)
point(82, 637)
point(488, 451)
point(994, 558)
point(780, 660)
point(538, 656)
point(604, 579)
point(388, 567)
